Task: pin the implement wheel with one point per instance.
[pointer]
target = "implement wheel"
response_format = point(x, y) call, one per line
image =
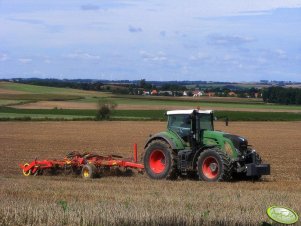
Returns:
point(89, 171)
point(28, 172)
point(214, 165)
point(160, 161)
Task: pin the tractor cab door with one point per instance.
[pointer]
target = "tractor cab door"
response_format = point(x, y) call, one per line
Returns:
point(180, 124)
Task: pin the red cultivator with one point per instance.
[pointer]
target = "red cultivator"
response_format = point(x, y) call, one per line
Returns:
point(89, 165)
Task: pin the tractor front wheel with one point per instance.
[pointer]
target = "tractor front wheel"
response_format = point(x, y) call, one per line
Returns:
point(214, 165)
point(89, 171)
point(160, 161)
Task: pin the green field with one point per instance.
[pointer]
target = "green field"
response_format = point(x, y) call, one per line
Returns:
point(33, 89)
point(21, 93)
point(193, 103)
point(158, 115)
point(174, 101)
point(18, 93)
point(4, 102)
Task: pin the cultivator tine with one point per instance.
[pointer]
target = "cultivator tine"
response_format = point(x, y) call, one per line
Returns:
point(117, 156)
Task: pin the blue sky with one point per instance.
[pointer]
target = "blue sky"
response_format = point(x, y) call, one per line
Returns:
point(157, 40)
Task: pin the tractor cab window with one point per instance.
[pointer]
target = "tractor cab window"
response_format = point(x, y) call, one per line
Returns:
point(180, 124)
point(206, 122)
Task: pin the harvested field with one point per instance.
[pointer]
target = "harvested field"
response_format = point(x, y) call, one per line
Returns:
point(202, 107)
point(7, 91)
point(132, 200)
point(57, 104)
point(83, 105)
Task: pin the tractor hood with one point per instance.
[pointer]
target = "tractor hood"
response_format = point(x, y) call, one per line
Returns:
point(239, 142)
point(226, 141)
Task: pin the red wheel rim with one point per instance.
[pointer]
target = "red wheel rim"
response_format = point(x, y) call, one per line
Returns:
point(210, 167)
point(157, 161)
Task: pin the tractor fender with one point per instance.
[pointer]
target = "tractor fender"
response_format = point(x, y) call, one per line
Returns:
point(198, 152)
point(162, 136)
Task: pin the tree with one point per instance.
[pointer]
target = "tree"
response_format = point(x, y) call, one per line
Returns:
point(282, 95)
point(190, 93)
point(104, 110)
point(145, 85)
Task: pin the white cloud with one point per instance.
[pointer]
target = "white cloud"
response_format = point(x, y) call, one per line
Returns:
point(209, 8)
point(82, 56)
point(229, 40)
point(3, 57)
point(159, 56)
point(200, 56)
point(280, 53)
point(25, 60)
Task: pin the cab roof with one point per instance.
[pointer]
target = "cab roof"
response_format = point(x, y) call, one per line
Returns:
point(188, 112)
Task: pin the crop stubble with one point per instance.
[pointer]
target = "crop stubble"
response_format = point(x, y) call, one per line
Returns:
point(137, 199)
point(83, 105)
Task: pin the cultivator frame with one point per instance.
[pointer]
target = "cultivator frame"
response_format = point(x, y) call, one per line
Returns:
point(89, 165)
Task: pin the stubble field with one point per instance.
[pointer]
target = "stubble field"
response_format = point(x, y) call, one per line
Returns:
point(67, 200)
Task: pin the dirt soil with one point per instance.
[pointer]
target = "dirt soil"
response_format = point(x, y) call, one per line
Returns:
point(79, 105)
point(278, 143)
point(139, 199)
point(56, 104)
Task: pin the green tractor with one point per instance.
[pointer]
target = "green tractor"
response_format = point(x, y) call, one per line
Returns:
point(192, 148)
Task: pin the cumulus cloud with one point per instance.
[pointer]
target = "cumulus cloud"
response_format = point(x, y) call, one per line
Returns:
point(28, 21)
point(47, 61)
point(280, 53)
point(25, 60)
point(82, 56)
point(3, 57)
point(228, 40)
point(277, 53)
point(133, 29)
point(90, 7)
point(200, 56)
point(159, 56)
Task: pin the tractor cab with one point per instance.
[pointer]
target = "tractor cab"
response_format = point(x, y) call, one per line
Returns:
point(189, 124)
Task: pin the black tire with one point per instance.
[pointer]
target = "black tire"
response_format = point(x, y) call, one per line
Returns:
point(214, 165)
point(168, 168)
point(89, 171)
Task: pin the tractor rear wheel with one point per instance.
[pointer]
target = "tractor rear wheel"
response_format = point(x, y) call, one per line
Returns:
point(89, 171)
point(160, 161)
point(214, 165)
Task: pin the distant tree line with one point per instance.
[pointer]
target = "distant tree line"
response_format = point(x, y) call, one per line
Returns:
point(282, 95)
point(95, 86)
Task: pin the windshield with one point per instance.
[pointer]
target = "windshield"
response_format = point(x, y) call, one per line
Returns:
point(205, 121)
point(180, 124)
point(179, 121)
